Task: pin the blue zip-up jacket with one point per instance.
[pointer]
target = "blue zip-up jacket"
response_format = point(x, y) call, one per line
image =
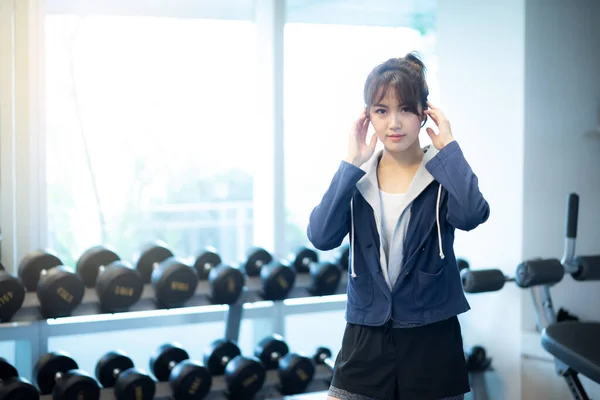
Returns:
point(443, 196)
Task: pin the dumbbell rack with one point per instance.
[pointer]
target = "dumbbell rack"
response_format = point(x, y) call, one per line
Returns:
point(31, 332)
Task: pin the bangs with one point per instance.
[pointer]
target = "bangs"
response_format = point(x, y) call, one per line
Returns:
point(403, 88)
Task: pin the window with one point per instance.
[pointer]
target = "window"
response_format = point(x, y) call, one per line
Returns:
point(330, 48)
point(150, 132)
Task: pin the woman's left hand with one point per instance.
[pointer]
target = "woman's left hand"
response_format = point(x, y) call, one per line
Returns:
point(444, 136)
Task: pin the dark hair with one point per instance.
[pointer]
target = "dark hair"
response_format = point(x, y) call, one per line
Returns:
point(406, 76)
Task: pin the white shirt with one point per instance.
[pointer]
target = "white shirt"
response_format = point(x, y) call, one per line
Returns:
point(392, 206)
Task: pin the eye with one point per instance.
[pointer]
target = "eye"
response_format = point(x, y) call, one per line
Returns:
point(404, 109)
point(380, 111)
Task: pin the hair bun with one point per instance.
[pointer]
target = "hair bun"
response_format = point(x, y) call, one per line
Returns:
point(415, 62)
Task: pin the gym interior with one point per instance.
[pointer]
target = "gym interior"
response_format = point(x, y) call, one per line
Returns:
point(159, 160)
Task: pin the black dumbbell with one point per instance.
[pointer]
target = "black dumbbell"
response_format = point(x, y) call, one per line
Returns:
point(244, 376)
point(206, 260)
point(322, 356)
point(343, 257)
point(325, 276)
point(12, 295)
point(256, 258)
point(277, 279)
point(118, 285)
point(462, 264)
point(59, 290)
point(189, 380)
point(116, 370)
point(295, 371)
point(174, 282)
point(477, 359)
point(13, 387)
point(59, 374)
point(226, 284)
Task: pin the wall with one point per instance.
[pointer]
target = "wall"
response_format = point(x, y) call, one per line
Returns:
point(481, 75)
point(562, 103)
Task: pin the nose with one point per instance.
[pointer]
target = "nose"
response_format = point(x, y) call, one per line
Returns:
point(396, 121)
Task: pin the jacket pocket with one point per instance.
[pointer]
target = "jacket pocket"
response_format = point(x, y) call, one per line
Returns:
point(360, 291)
point(431, 290)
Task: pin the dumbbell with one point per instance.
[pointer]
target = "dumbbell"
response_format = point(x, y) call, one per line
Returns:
point(256, 258)
point(205, 261)
point(189, 380)
point(325, 276)
point(116, 370)
point(226, 283)
point(58, 289)
point(12, 295)
point(173, 281)
point(13, 387)
point(462, 264)
point(529, 273)
point(277, 280)
point(118, 285)
point(244, 376)
point(322, 356)
point(59, 374)
point(343, 256)
point(295, 371)
point(277, 276)
point(477, 359)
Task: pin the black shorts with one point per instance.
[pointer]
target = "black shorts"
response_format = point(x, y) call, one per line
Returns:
point(422, 363)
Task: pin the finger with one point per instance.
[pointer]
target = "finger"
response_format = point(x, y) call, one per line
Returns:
point(433, 116)
point(373, 142)
point(431, 133)
point(362, 128)
point(358, 124)
point(431, 106)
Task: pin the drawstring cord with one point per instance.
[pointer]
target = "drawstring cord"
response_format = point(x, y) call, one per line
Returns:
point(437, 219)
point(352, 238)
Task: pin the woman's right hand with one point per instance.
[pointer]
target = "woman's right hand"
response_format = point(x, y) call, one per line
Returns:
point(359, 151)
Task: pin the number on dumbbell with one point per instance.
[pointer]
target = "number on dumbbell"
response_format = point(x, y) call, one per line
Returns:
point(58, 288)
point(117, 284)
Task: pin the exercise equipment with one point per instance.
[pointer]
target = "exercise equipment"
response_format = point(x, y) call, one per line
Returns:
point(343, 256)
point(173, 281)
point(206, 260)
point(12, 295)
point(277, 278)
point(189, 380)
point(226, 283)
point(58, 289)
point(573, 344)
point(244, 376)
point(323, 356)
point(477, 359)
point(116, 370)
point(295, 371)
point(58, 374)
point(118, 286)
point(325, 276)
point(13, 387)
point(462, 264)
point(256, 258)
point(477, 364)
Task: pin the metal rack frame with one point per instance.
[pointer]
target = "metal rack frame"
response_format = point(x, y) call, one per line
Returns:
point(31, 334)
